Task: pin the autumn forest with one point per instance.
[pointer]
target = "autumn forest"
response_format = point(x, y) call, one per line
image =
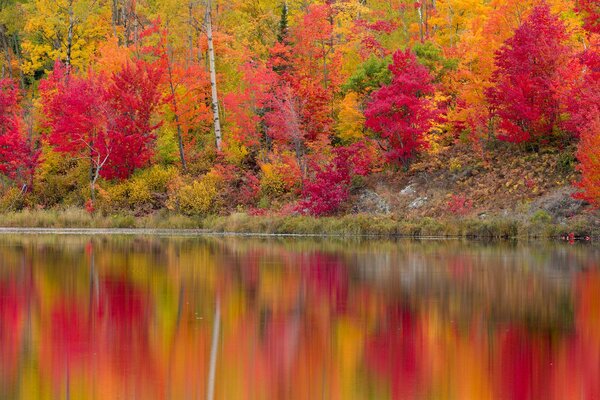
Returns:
point(287, 107)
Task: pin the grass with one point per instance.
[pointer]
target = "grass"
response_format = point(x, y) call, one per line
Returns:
point(347, 225)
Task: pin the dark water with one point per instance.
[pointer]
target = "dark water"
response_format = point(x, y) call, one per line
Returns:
point(179, 318)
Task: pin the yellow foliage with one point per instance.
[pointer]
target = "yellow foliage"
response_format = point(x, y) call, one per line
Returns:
point(235, 152)
point(455, 165)
point(351, 120)
point(47, 29)
point(146, 189)
point(12, 199)
point(278, 179)
point(201, 197)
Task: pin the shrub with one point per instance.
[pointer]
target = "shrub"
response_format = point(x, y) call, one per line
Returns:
point(459, 205)
point(279, 178)
point(12, 199)
point(541, 217)
point(330, 187)
point(61, 180)
point(146, 190)
point(239, 188)
point(201, 197)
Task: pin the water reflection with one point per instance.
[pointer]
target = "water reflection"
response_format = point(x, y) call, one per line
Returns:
point(159, 318)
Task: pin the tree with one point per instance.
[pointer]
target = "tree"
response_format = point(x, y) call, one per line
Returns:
point(106, 120)
point(75, 111)
point(213, 74)
point(583, 106)
point(402, 112)
point(369, 76)
point(588, 154)
point(132, 96)
point(69, 30)
point(16, 158)
point(591, 14)
point(523, 96)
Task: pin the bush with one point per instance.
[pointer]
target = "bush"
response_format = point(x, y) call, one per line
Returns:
point(146, 190)
point(541, 217)
point(201, 197)
point(12, 199)
point(330, 187)
point(61, 180)
point(459, 205)
point(279, 179)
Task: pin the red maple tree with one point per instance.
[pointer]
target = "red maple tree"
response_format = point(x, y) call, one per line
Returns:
point(106, 120)
point(17, 160)
point(523, 96)
point(402, 112)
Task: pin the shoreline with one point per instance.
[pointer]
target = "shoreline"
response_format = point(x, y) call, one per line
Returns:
point(162, 223)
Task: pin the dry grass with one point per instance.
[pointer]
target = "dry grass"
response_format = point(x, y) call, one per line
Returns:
point(349, 225)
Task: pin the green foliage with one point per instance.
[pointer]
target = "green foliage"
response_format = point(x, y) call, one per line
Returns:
point(433, 58)
point(283, 24)
point(369, 76)
point(566, 162)
point(541, 217)
point(166, 145)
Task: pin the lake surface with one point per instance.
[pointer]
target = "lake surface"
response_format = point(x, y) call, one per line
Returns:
point(125, 317)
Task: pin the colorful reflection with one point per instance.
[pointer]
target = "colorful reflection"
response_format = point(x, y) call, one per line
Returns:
point(135, 318)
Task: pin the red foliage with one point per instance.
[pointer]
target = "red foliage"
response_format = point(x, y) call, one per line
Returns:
point(369, 34)
point(330, 187)
point(73, 108)
point(588, 153)
point(591, 14)
point(459, 205)
point(240, 187)
point(402, 112)
point(581, 99)
point(132, 97)
point(523, 95)
point(16, 157)
point(105, 119)
point(245, 106)
point(582, 103)
point(89, 206)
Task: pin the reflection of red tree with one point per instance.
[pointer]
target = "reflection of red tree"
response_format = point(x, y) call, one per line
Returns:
point(587, 345)
point(104, 341)
point(328, 277)
point(525, 364)
point(396, 352)
point(12, 304)
point(67, 344)
point(123, 322)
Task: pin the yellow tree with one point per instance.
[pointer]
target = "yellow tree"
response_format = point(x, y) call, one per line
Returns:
point(69, 30)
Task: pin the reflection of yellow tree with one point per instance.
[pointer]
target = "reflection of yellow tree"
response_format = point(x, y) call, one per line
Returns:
point(299, 319)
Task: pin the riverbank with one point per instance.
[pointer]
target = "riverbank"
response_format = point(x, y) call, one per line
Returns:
point(346, 225)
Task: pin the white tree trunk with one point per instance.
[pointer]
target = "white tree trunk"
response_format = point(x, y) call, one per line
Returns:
point(213, 75)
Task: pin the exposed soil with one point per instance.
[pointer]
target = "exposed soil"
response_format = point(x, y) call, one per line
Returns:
point(457, 181)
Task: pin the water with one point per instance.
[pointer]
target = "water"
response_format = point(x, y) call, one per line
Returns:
point(109, 317)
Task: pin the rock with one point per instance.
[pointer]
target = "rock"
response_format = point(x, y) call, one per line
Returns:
point(418, 202)
point(409, 190)
point(559, 204)
point(370, 202)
